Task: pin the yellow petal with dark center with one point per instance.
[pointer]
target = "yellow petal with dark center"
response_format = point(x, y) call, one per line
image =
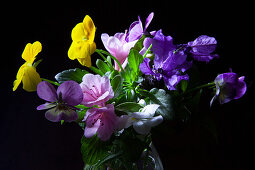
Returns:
point(89, 29)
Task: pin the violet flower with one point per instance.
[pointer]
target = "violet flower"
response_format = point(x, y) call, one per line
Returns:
point(228, 87)
point(100, 121)
point(136, 29)
point(202, 48)
point(169, 63)
point(61, 102)
point(96, 90)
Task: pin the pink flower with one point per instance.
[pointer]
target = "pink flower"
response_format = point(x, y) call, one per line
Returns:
point(118, 47)
point(100, 121)
point(96, 90)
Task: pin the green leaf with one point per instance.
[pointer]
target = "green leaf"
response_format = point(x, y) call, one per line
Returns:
point(139, 44)
point(134, 60)
point(128, 107)
point(117, 85)
point(159, 96)
point(96, 70)
point(93, 150)
point(71, 74)
point(102, 66)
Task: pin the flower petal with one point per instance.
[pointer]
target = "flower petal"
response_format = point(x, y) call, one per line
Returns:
point(108, 122)
point(71, 92)
point(56, 115)
point(78, 32)
point(30, 79)
point(145, 67)
point(46, 91)
point(141, 127)
point(18, 77)
point(155, 121)
point(89, 28)
point(91, 131)
point(31, 50)
point(148, 21)
point(46, 106)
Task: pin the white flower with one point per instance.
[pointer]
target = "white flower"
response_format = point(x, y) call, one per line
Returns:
point(141, 121)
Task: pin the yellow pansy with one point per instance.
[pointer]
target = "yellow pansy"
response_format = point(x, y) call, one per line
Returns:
point(27, 73)
point(83, 44)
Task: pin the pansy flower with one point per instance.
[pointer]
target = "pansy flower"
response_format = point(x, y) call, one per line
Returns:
point(27, 72)
point(228, 87)
point(83, 45)
point(100, 121)
point(60, 102)
point(96, 90)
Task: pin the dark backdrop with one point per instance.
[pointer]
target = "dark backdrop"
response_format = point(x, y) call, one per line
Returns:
point(28, 141)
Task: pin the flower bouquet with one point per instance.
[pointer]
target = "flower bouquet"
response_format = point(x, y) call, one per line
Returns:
point(143, 82)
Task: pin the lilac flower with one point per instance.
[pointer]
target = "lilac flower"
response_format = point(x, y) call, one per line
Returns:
point(61, 102)
point(100, 121)
point(136, 29)
point(169, 63)
point(203, 47)
point(228, 87)
point(96, 90)
point(118, 47)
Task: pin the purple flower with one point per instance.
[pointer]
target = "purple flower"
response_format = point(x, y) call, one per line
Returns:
point(100, 121)
point(136, 29)
point(161, 45)
point(96, 89)
point(61, 102)
point(203, 47)
point(169, 63)
point(228, 87)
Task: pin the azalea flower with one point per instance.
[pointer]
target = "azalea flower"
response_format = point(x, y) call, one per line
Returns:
point(83, 45)
point(61, 102)
point(27, 72)
point(169, 63)
point(202, 48)
point(141, 121)
point(96, 90)
point(228, 87)
point(120, 44)
point(118, 47)
point(100, 121)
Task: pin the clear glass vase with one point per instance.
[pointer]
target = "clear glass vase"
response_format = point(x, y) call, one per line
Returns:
point(150, 160)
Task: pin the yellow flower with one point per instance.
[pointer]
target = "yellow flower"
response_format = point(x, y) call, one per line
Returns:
point(27, 73)
point(83, 44)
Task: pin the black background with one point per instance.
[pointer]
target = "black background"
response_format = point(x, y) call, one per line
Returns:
point(28, 141)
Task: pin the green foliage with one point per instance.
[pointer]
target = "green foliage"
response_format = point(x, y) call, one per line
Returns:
point(103, 66)
point(71, 74)
point(117, 84)
point(93, 150)
point(128, 107)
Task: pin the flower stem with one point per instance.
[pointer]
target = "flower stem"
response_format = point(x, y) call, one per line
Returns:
point(115, 59)
point(147, 51)
point(98, 52)
point(50, 81)
point(210, 85)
